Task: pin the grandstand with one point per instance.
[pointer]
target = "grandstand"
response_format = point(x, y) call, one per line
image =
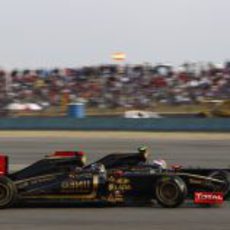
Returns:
point(188, 88)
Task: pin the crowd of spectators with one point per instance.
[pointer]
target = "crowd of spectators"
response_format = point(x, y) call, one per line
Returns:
point(112, 86)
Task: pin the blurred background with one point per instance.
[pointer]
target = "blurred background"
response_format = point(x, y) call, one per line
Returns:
point(191, 89)
point(116, 58)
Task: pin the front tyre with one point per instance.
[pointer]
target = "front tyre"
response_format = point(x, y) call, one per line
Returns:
point(8, 192)
point(170, 192)
point(225, 177)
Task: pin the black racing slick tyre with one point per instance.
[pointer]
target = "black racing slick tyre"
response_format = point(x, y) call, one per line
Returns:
point(225, 177)
point(170, 192)
point(8, 192)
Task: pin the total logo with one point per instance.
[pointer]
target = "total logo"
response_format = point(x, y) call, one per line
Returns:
point(208, 198)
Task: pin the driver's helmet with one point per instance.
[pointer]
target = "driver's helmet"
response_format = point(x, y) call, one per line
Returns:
point(98, 167)
point(161, 163)
point(143, 151)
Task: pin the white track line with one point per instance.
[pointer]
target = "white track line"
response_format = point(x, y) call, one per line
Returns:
point(117, 135)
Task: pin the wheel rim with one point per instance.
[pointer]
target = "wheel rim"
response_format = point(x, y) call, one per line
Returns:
point(3, 193)
point(168, 192)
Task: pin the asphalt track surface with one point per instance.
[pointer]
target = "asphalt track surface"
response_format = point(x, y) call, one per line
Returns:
point(197, 150)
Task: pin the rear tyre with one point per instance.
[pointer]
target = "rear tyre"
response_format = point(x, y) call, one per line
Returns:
point(170, 192)
point(8, 192)
point(225, 177)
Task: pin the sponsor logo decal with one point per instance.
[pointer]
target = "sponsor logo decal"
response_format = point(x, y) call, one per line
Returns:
point(208, 198)
point(196, 181)
point(121, 184)
point(78, 185)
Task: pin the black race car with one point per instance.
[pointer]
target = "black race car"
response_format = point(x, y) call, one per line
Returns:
point(125, 178)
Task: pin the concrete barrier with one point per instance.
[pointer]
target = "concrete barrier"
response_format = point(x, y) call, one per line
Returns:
point(121, 124)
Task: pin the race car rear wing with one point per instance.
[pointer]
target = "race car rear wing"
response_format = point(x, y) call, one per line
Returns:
point(3, 165)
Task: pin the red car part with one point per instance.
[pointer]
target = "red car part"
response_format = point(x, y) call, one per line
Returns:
point(208, 198)
point(67, 154)
point(3, 165)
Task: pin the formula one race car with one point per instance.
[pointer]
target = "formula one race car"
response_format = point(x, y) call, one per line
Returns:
point(125, 178)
